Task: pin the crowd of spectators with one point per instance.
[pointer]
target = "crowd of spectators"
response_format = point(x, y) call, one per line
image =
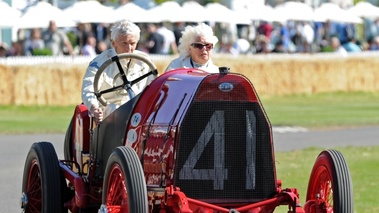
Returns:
point(262, 37)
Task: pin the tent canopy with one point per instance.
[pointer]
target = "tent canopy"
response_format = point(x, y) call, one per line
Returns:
point(364, 10)
point(9, 16)
point(295, 11)
point(132, 12)
point(332, 12)
point(90, 12)
point(33, 18)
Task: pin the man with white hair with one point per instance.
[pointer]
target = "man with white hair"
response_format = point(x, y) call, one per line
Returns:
point(124, 38)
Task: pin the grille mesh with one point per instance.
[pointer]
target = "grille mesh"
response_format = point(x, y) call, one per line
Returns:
point(225, 153)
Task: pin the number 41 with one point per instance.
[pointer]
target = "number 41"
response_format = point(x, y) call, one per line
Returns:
point(216, 127)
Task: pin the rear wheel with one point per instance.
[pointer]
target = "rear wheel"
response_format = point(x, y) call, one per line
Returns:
point(124, 188)
point(67, 147)
point(42, 184)
point(330, 182)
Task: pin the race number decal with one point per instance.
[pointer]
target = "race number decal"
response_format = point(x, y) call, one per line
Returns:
point(132, 136)
point(250, 149)
point(215, 129)
point(135, 119)
point(218, 174)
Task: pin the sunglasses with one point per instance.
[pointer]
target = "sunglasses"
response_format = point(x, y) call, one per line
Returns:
point(200, 46)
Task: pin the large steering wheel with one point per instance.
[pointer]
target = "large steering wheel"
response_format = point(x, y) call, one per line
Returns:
point(126, 85)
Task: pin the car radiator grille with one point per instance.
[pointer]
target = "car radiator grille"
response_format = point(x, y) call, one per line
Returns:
point(225, 153)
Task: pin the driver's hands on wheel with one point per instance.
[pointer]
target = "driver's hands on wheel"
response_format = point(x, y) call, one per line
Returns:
point(97, 113)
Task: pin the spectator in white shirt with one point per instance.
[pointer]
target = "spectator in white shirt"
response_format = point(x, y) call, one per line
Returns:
point(89, 49)
point(169, 42)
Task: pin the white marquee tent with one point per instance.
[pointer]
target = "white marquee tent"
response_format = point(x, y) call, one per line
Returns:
point(364, 10)
point(8, 15)
point(295, 11)
point(192, 7)
point(257, 12)
point(39, 15)
point(220, 13)
point(132, 12)
point(90, 12)
point(169, 11)
point(332, 12)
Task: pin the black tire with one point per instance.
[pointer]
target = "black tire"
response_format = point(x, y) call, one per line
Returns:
point(42, 183)
point(67, 146)
point(330, 178)
point(124, 171)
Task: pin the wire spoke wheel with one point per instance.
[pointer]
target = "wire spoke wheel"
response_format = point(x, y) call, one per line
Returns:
point(117, 195)
point(42, 185)
point(322, 187)
point(124, 187)
point(34, 188)
point(330, 186)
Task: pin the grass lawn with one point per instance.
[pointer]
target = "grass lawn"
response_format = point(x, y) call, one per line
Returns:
point(294, 168)
point(323, 110)
point(34, 119)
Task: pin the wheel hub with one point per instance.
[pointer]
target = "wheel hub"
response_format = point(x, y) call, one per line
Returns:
point(24, 200)
point(103, 209)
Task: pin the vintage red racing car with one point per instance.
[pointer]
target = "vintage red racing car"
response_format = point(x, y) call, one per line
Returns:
point(191, 142)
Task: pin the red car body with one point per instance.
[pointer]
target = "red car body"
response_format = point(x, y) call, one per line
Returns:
point(202, 142)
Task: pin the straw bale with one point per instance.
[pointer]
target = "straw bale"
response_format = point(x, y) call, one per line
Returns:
point(162, 64)
point(6, 85)
point(362, 74)
point(59, 84)
point(282, 75)
point(47, 84)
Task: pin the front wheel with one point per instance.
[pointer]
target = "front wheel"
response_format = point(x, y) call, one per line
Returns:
point(330, 185)
point(124, 187)
point(42, 183)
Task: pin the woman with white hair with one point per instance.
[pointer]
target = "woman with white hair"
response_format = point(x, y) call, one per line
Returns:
point(195, 47)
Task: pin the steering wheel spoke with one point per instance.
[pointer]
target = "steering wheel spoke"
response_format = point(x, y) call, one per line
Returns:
point(126, 84)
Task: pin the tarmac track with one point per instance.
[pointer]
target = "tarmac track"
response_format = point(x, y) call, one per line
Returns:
point(14, 149)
